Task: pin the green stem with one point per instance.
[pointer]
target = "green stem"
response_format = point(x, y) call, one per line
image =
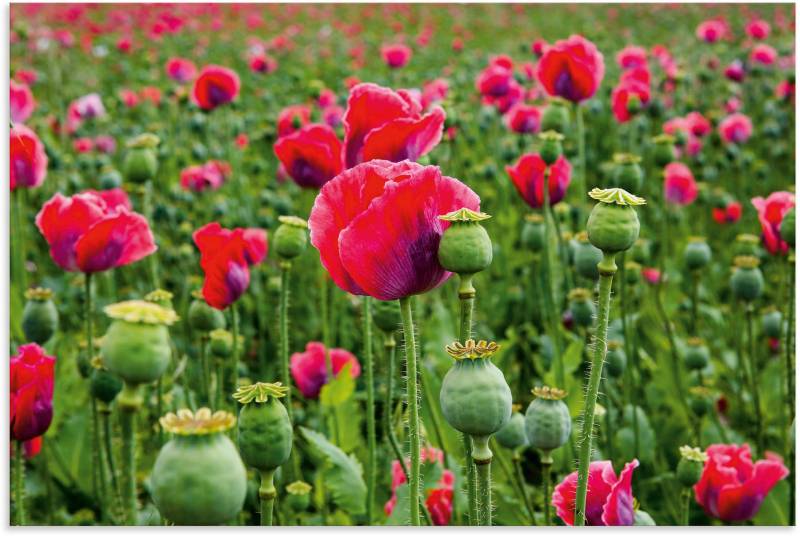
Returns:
point(677, 375)
point(483, 470)
point(368, 368)
point(751, 354)
point(547, 464)
point(19, 483)
point(695, 284)
point(630, 388)
point(147, 202)
point(413, 410)
point(466, 298)
point(581, 185)
point(283, 320)
point(607, 269)
point(129, 401)
point(105, 414)
point(686, 505)
point(550, 301)
point(97, 459)
point(267, 494)
point(520, 478)
point(205, 372)
point(94, 431)
point(789, 373)
point(19, 235)
point(233, 382)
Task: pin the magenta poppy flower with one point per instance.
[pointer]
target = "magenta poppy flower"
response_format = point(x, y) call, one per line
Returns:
point(609, 500)
point(311, 156)
point(528, 177)
point(326, 98)
point(333, 115)
point(225, 257)
point(680, 187)
point(381, 124)
point(572, 69)
point(309, 369)
point(434, 91)
point(215, 86)
point(710, 31)
point(634, 87)
point(505, 102)
point(785, 90)
point(757, 29)
point(262, 63)
point(538, 47)
point(114, 198)
point(729, 213)
point(26, 76)
point(763, 54)
point(83, 145)
point(698, 124)
point(770, 214)
point(439, 500)
point(209, 176)
point(293, 118)
point(181, 70)
point(523, 119)
point(31, 382)
point(87, 107)
point(377, 227)
point(632, 57)
point(105, 144)
point(88, 234)
point(27, 158)
point(396, 56)
point(736, 128)
point(732, 487)
point(735, 71)
point(496, 79)
point(21, 102)
point(652, 276)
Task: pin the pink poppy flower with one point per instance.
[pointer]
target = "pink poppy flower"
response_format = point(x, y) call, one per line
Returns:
point(21, 102)
point(736, 128)
point(609, 500)
point(680, 187)
point(770, 214)
point(309, 369)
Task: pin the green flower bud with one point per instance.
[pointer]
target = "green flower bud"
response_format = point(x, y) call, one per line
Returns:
point(627, 174)
point(690, 466)
point(265, 432)
point(556, 116)
point(582, 307)
point(386, 315)
point(551, 147)
point(291, 237)
point(663, 149)
point(613, 224)
point(697, 254)
point(697, 356)
point(616, 360)
point(141, 162)
point(533, 232)
point(747, 281)
point(39, 317)
point(772, 323)
point(586, 257)
point(465, 247)
point(547, 421)
point(512, 436)
point(203, 317)
point(787, 227)
point(298, 496)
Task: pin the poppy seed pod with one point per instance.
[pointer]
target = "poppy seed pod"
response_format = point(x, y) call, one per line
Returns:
point(627, 173)
point(533, 232)
point(136, 346)
point(613, 224)
point(203, 317)
point(787, 227)
point(109, 179)
point(265, 431)
point(39, 317)
point(160, 297)
point(582, 306)
point(586, 257)
point(291, 237)
point(386, 315)
point(747, 280)
point(298, 495)
point(697, 355)
point(772, 323)
point(551, 146)
point(556, 116)
point(699, 400)
point(746, 244)
point(633, 272)
point(475, 398)
point(664, 149)
point(697, 254)
point(105, 386)
point(220, 343)
point(547, 421)
point(512, 436)
point(641, 251)
point(198, 477)
point(465, 247)
point(690, 466)
point(141, 162)
point(616, 360)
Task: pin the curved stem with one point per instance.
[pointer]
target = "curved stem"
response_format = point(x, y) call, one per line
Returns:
point(267, 494)
point(19, 483)
point(413, 409)
point(368, 368)
point(751, 354)
point(607, 269)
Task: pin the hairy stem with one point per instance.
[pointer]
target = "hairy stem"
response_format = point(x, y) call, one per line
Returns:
point(368, 366)
point(466, 298)
point(267, 494)
point(483, 470)
point(283, 321)
point(413, 409)
point(547, 464)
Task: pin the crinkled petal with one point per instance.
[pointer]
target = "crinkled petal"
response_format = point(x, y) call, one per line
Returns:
point(115, 241)
point(618, 509)
point(403, 139)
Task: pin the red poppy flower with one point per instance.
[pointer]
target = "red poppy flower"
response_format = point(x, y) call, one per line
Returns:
point(439, 500)
point(210, 175)
point(572, 69)
point(633, 89)
point(262, 64)
point(732, 487)
point(680, 187)
point(89, 234)
point(528, 177)
point(215, 86)
point(225, 257)
point(377, 227)
point(505, 102)
point(309, 369)
point(651, 276)
point(698, 124)
point(26, 76)
point(710, 31)
point(496, 79)
point(181, 70)
point(293, 118)
point(434, 91)
point(31, 383)
point(151, 94)
point(757, 29)
point(326, 98)
point(632, 57)
point(735, 128)
point(311, 156)
point(383, 124)
point(538, 47)
point(730, 213)
point(21, 102)
point(83, 145)
point(609, 500)
point(27, 159)
point(770, 214)
point(128, 97)
point(396, 56)
point(114, 198)
point(763, 54)
point(523, 119)
point(735, 71)
point(785, 90)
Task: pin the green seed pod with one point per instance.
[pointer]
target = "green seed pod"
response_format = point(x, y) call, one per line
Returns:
point(512, 436)
point(642, 251)
point(787, 227)
point(699, 400)
point(291, 237)
point(697, 356)
point(747, 281)
point(627, 173)
point(547, 420)
point(109, 179)
point(298, 496)
point(465, 247)
point(556, 116)
point(772, 323)
point(533, 232)
point(220, 343)
point(747, 244)
point(633, 272)
point(616, 360)
point(39, 317)
point(663, 149)
point(265, 432)
point(697, 254)
point(141, 162)
point(136, 346)
point(690, 466)
point(104, 385)
point(551, 147)
point(613, 224)
point(586, 257)
point(203, 317)
point(582, 307)
point(198, 477)
point(475, 398)
point(643, 519)
point(386, 315)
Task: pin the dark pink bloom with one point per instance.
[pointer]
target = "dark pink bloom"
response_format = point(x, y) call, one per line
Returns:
point(31, 383)
point(710, 31)
point(496, 79)
point(105, 144)
point(504, 103)
point(528, 177)
point(26, 76)
point(770, 214)
point(523, 119)
point(633, 90)
point(735, 71)
point(87, 107)
point(151, 94)
point(242, 140)
point(609, 500)
point(572, 69)
point(262, 63)
point(27, 159)
point(680, 187)
point(730, 213)
point(733, 105)
point(439, 501)
point(326, 98)
point(181, 70)
point(732, 487)
point(377, 227)
point(333, 116)
point(309, 369)
point(293, 118)
point(785, 90)
point(735, 128)
point(83, 145)
point(210, 175)
point(129, 97)
point(434, 91)
point(21, 102)
point(698, 124)
point(115, 197)
point(311, 156)
point(632, 57)
point(396, 56)
point(652, 276)
point(215, 86)
point(538, 47)
point(763, 54)
point(757, 29)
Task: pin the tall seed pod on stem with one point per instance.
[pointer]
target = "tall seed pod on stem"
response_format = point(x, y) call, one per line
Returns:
point(613, 226)
point(688, 472)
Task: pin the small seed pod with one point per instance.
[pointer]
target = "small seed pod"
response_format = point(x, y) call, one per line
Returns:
point(298, 496)
point(633, 272)
point(104, 385)
point(203, 317)
point(110, 178)
point(613, 224)
point(291, 237)
point(582, 307)
point(39, 317)
point(746, 244)
point(160, 297)
point(475, 398)
point(641, 251)
point(787, 227)
point(616, 360)
point(141, 162)
point(586, 257)
point(663, 149)
point(697, 356)
point(136, 346)
point(533, 233)
point(697, 254)
point(772, 322)
point(221, 343)
point(699, 400)
point(386, 315)
point(627, 173)
point(551, 147)
point(198, 477)
point(465, 247)
point(747, 280)
point(265, 432)
point(690, 466)
point(556, 116)
point(512, 436)
point(547, 420)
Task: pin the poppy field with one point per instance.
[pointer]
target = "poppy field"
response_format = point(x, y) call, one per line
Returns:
point(402, 264)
